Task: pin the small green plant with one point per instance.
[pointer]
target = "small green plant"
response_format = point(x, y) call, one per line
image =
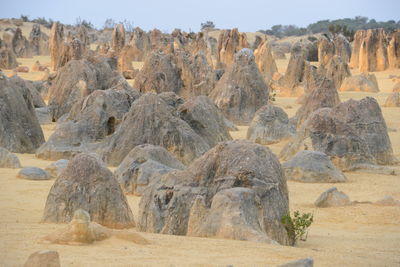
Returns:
point(297, 226)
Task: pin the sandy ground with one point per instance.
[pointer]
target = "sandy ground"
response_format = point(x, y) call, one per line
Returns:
point(359, 235)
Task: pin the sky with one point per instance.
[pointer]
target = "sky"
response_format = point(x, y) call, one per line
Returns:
point(247, 15)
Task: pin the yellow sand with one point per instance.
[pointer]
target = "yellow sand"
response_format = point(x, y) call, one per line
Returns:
point(361, 235)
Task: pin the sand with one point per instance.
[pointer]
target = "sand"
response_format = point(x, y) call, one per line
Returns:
point(359, 235)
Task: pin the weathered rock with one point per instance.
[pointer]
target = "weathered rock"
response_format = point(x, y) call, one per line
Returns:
point(236, 190)
point(396, 87)
point(118, 38)
point(159, 74)
point(89, 121)
point(369, 50)
point(264, 60)
point(307, 262)
point(143, 164)
point(73, 49)
point(33, 173)
point(205, 119)
point(19, 128)
point(152, 121)
point(353, 134)
point(76, 80)
point(87, 184)
point(335, 69)
point(394, 50)
point(8, 159)
point(43, 258)
point(21, 45)
point(388, 201)
point(325, 95)
point(342, 47)
point(363, 82)
point(56, 168)
point(8, 60)
point(393, 100)
point(312, 167)
point(278, 54)
point(82, 231)
point(229, 43)
point(270, 125)
point(332, 198)
point(56, 41)
point(43, 115)
point(36, 97)
point(326, 50)
point(39, 41)
point(242, 90)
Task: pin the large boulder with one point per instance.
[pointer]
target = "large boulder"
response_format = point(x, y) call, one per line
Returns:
point(19, 128)
point(270, 125)
point(393, 100)
point(325, 95)
point(205, 119)
point(353, 134)
point(312, 167)
point(8, 159)
point(264, 60)
point(229, 43)
point(76, 80)
point(33, 173)
point(152, 121)
point(159, 73)
point(37, 99)
point(242, 90)
point(363, 82)
point(43, 258)
point(143, 164)
point(56, 41)
point(87, 184)
point(332, 198)
point(89, 121)
point(237, 190)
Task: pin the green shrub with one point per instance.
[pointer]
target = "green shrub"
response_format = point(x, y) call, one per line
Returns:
point(297, 226)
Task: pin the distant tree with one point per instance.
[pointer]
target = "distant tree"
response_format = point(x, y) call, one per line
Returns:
point(128, 25)
point(24, 18)
point(87, 24)
point(109, 24)
point(43, 21)
point(207, 25)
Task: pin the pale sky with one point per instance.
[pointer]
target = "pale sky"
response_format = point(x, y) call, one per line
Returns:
point(250, 15)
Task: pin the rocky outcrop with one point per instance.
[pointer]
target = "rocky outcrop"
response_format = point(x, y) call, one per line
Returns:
point(73, 49)
point(21, 45)
point(152, 121)
point(19, 128)
point(229, 43)
point(56, 41)
point(326, 50)
point(264, 60)
point(363, 82)
point(8, 60)
point(312, 167)
point(270, 125)
point(36, 97)
point(236, 190)
point(118, 38)
point(353, 134)
point(76, 80)
point(8, 159)
point(393, 50)
point(87, 184)
point(39, 41)
point(335, 69)
point(142, 165)
point(242, 90)
point(342, 47)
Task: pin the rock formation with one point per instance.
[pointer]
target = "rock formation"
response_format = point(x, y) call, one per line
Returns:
point(332, 198)
point(33, 173)
point(393, 100)
point(229, 43)
point(342, 47)
point(8, 59)
point(143, 164)
point(363, 82)
point(47, 258)
point(335, 69)
point(8, 159)
point(264, 60)
point(312, 167)
point(270, 125)
point(19, 128)
point(56, 41)
point(236, 190)
point(242, 90)
point(394, 50)
point(118, 38)
point(21, 45)
point(39, 41)
point(87, 184)
point(56, 168)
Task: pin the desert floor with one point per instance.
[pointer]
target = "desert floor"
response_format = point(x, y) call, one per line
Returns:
point(358, 235)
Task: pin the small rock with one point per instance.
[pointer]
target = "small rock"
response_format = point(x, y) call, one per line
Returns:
point(332, 198)
point(307, 262)
point(57, 167)
point(8, 159)
point(43, 258)
point(33, 173)
point(388, 201)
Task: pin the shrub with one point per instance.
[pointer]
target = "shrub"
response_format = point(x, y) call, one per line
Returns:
point(297, 226)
